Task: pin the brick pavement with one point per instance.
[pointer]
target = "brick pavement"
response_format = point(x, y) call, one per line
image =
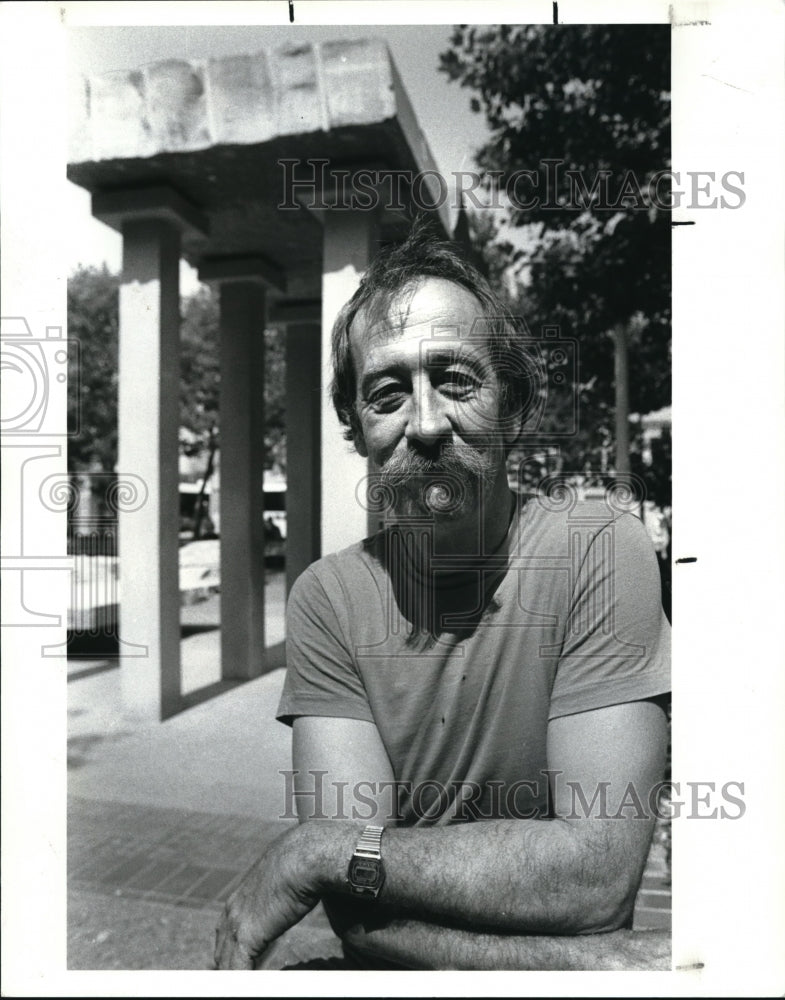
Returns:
point(147, 885)
point(167, 855)
point(654, 901)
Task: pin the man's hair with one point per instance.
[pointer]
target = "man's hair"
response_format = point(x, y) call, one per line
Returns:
point(402, 266)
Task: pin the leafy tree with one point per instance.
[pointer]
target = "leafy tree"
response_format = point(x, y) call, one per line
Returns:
point(275, 399)
point(586, 110)
point(200, 383)
point(92, 322)
point(200, 376)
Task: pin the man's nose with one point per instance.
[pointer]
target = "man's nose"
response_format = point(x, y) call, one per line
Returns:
point(428, 420)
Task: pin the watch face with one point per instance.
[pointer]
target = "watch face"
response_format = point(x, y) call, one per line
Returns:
point(366, 876)
point(365, 873)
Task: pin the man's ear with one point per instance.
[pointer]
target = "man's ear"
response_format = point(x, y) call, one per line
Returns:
point(359, 443)
point(512, 433)
point(357, 436)
point(512, 428)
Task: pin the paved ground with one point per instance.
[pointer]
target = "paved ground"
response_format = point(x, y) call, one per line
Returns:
point(164, 819)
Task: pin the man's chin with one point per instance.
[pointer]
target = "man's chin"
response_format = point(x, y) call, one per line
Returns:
point(433, 505)
point(420, 512)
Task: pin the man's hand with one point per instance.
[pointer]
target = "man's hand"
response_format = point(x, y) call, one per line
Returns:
point(274, 894)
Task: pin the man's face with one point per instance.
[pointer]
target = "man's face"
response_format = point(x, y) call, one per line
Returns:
point(428, 400)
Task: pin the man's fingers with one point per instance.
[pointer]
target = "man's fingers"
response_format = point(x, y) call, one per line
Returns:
point(267, 902)
point(230, 953)
point(220, 938)
point(238, 958)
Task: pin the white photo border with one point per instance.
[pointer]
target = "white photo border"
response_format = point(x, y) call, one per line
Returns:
point(729, 498)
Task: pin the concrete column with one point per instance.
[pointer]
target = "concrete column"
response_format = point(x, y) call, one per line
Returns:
point(147, 429)
point(349, 239)
point(303, 458)
point(242, 321)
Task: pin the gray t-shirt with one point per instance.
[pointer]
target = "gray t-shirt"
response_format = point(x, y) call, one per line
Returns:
point(461, 666)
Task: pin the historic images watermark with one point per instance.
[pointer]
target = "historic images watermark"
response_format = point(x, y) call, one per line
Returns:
point(42, 382)
point(314, 184)
point(37, 364)
point(93, 503)
point(524, 799)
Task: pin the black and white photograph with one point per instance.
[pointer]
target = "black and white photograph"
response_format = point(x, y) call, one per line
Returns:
point(392, 535)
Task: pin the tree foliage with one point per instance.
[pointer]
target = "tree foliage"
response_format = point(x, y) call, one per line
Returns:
point(585, 110)
point(92, 322)
point(200, 375)
point(275, 399)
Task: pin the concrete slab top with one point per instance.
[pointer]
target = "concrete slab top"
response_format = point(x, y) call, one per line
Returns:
point(217, 130)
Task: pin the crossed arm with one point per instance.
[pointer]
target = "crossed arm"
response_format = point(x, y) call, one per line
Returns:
point(512, 893)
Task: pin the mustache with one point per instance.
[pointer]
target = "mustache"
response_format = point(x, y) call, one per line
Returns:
point(401, 468)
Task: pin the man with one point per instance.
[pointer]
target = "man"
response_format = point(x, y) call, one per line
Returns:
point(475, 691)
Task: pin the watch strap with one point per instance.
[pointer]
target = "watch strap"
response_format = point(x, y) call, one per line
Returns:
point(370, 843)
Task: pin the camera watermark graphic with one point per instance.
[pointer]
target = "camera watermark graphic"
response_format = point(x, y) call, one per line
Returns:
point(33, 369)
point(547, 186)
point(311, 795)
point(26, 547)
point(41, 400)
point(93, 503)
point(537, 378)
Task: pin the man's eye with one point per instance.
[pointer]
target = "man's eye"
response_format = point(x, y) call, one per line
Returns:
point(459, 383)
point(386, 395)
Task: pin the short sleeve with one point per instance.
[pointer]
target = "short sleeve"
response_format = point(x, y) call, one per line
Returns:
point(321, 676)
point(616, 645)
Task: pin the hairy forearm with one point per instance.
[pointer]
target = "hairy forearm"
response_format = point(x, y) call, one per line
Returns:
point(416, 944)
point(524, 876)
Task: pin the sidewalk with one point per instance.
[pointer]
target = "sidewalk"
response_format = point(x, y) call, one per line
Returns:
point(163, 819)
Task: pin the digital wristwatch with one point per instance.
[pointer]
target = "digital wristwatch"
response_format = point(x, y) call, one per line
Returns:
point(366, 869)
